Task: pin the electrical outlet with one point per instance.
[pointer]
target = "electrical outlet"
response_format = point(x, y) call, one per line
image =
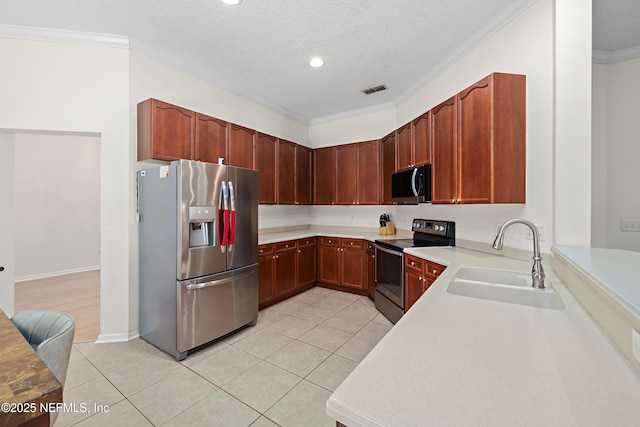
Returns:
point(629, 225)
point(529, 233)
point(635, 344)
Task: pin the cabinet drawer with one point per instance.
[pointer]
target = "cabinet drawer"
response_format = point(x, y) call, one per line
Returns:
point(413, 263)
point(264, 250)
point(434, 270)
point(285, 246)
point(352, 243)
point(330, 241)
point(310, 241)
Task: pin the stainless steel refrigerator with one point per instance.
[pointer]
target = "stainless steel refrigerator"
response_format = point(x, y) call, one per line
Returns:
point(198, 247)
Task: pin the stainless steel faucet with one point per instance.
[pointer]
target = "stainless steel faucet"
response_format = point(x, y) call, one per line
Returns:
point(537, 272)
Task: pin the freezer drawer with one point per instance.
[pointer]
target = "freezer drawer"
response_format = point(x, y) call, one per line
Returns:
point(213, 306)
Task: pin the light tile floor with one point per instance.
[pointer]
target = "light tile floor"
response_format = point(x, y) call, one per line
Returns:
point(279, 372)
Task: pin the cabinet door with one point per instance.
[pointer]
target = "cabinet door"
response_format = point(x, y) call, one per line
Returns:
point(370, 271)
point(403, 150)
point(444, 152)
point(211, 139)
point(329, 271)
point(474, 143)
point(388, 166)
point(241, 146)
point(353, 264)
point(266, 274)
point(303, 175)
point(347, 174)
point(422, 139)
point(285, 275)
point(413, 285)
point(165, 131)
point(286, 172)
point(324, 182)
point(369, 173)
point(266, 164)
point(306, 267)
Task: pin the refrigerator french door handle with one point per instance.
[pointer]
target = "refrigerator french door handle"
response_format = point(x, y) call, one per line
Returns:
point(224, 223)
point(232, 219)
point(212, 283)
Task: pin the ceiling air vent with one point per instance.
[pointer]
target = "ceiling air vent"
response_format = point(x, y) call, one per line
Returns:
point(374, 89)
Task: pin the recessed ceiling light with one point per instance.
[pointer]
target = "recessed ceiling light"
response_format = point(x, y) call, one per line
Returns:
point(232, 2)
point(316, 62)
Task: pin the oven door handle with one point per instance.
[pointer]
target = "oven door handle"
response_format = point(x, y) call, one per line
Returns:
point(389, 251)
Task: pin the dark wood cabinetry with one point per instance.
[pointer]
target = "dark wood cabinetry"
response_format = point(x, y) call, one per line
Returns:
point(421, 139)
point(266, 150)
point(341, 263)
point(241, 146)
point(479, 147)
point(165, 131)
point(211, 139)
point(285, 268)
point(286, 172)
point(370, 270)
point(419, 275)
point(404, 150)
point(304, 176)
point(369, 171)
point(324, 183)
point(388, 166)
point(347, 174)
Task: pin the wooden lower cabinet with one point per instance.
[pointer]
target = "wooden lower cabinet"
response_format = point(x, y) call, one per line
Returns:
point(419, 274)
point(284, 269)
point(370, 270)
point(342, 264)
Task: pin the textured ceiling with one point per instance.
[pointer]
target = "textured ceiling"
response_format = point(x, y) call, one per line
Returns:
point(261, 48)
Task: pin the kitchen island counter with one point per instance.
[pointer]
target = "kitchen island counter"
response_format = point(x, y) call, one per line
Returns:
point(457, 360)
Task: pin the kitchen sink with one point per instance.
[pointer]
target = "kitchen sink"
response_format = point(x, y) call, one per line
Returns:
point(513, 287)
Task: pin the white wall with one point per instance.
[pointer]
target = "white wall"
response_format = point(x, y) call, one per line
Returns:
point(56, 204)
point(616, 153)
point(57, 87)
point(599, 108)
point(6, 223)
point(524, 46)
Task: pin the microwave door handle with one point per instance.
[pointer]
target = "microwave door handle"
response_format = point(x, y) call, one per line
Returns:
point(413, 182)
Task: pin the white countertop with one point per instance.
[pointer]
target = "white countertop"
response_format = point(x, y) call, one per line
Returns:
point(344, 232)
point(456, 360)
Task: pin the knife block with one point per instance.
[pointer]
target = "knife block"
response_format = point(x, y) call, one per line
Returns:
point(388, 229)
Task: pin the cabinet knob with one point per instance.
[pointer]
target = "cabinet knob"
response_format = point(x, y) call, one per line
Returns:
point(299, 251)
point(351, 243)
point(276, 256)
point(435, 272)
point(420, 278)
point(413, 263)
point(286, 246)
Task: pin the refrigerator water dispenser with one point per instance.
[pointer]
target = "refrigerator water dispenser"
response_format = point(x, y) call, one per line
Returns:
point(201, 226)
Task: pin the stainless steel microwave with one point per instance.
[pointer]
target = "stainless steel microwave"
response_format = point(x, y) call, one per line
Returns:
point(412, 186)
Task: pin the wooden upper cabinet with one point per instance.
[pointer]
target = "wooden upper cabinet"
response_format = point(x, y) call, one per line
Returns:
point(444, 152)
point(492, 140)
point(388, 165)
point(241, 146)
point(324, 182)
point(478, 140)
point(404, 150)
point(286, 172)
point(369, 170)
point(211, 139)
point(421, 139)
point(304, 178)
point(346, 174)
point(266, 149)
point(165, 131)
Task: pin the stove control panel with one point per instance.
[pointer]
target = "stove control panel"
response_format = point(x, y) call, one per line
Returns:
point(430, 226)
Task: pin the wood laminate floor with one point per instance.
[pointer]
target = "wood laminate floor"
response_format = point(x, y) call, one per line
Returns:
point(77, 294)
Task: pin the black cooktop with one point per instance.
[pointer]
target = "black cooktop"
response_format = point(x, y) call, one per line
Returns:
point(426, 232)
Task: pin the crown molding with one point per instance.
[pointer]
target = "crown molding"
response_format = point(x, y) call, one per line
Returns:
point(611, 57)
point(353, 113)
point(64, 36)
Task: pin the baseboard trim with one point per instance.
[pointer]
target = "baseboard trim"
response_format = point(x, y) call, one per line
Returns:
point(107, 338)
point(55, 273)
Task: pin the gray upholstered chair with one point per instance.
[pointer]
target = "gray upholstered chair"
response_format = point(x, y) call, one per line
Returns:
point(50, 333)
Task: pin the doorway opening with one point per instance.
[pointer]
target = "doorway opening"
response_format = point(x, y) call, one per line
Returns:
point(56, 223)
